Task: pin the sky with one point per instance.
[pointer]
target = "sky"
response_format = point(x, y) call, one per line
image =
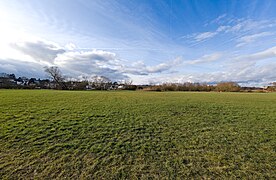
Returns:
point(146, 41)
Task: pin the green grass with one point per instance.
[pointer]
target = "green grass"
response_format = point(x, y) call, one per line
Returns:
point(136, 135)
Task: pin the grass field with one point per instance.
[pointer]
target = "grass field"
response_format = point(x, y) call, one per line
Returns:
point(136, 135)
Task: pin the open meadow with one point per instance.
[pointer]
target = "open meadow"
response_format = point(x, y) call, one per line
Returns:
point(47, 134)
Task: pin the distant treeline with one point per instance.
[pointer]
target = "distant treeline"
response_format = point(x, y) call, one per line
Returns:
point(219, 87)
point(10, 81)
point(58, 81)
point(225, 86)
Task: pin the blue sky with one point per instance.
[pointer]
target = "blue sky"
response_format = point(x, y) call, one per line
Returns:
point(148, 41)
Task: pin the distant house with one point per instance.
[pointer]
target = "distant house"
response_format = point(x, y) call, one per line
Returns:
point(90, 87)
point(121, 87)
point(33, 82)
point(7, 80)
point(270, 88)
point(251, 89)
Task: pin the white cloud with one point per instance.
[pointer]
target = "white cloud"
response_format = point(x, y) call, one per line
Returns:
point(251, 38)
point(105, 63)
point(244, 25)
point(39, 50)
point(86, 62)
point(205, 59)
point(268, 53)
point(70, 46)
point(21, 68)
point(219, 19)
point(204, 36)
point(253, 76)
point(244, 69)
point(164, 66)
point(223, 28)
point(91, 55)
point(91, 62)
point(140, 68)
point(234, 26)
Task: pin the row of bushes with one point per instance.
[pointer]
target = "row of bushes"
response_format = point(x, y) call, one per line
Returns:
point(221, 87)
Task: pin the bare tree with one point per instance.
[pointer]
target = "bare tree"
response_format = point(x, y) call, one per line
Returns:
point(128, 85)
point(55, 73)
point(101, 82)
point(127, 82)
point(272, 87)
point(228, 87)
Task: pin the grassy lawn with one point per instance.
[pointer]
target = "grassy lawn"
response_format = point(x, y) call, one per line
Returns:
point(136, 135)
